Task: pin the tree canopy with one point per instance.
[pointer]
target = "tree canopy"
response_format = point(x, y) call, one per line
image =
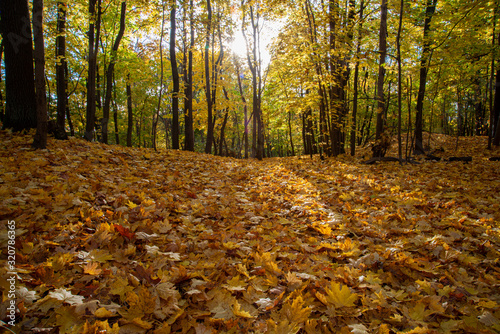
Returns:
point(301, 100)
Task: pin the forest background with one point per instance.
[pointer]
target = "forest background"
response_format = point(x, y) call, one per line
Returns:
point(170, 75)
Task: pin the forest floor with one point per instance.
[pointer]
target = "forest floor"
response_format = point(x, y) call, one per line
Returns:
point(125, 240)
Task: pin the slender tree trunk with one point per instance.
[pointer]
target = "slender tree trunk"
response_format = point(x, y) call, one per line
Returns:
point(334, 88)
point(157, 116)
point(110, 72)
point(208, 87)
point(254, 63)
point(424, 65)
point(61, 79)
point(130, 123)
point(68, 114)
point(490, 97)
point(175, 79)
point(91, 78)
point(398, 45)
point(355, 84)
point(224, 122)
point(496, 140)
point(245, 109)
point(40, 140)
point(324, 104)
point(20, 103)
point(188, 120)
point(98, 86)
point(115, 113)
point(381, 145)
point(290, 131)
point(2, 107)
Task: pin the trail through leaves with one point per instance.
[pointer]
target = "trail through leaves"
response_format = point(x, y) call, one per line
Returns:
point(118, 240)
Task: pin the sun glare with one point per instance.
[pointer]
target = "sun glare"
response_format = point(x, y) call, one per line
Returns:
point(269, 32)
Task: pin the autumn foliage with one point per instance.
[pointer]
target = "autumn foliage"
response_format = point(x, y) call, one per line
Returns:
point(126, 240)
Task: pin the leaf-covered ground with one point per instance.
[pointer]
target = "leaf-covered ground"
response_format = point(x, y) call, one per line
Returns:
point(118, 240)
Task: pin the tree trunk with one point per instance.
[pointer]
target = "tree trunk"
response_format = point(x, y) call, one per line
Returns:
point(20, 106)
point(245, 108)
point(2, 107)
point(290, 132)
point(68, 115)
point(355, 84)
point(175, 79)
point(130, 123)
point(115, 113)
point(91, 79)
point(322, 91)
point(254, 63)
point(40, 140)
point(188, 116)
point(496, 140)
point(62, 97)
point(110, 72)
point(424, 65)
point(333, 89)
point(398, 46)
point(381, 143)
point(224, 122)
point(208, 87)
point(157, 116)
point(492, 126)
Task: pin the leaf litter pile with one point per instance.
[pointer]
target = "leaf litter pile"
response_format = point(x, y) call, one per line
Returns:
point(119, 240)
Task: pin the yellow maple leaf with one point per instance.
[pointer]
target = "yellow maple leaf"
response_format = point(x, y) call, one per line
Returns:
point(295, 311)
point(120, 287)
point(92, 268)
point(419, 313)
point(141, 323)
point(100, 327)
point(230, 245)
point(104, 313)
point(282, 327)
point(235, 284)
point(237, 311)
point(338, 295)
point(131, 205)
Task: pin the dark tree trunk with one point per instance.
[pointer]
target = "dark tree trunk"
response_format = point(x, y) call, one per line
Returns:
point(68, 115)
point(98, 87)
point(324, 132)
point(188, 118)
point(355, 84)
point(208, 87)
point(290, 132)
point(254, 63)
point(2, 110)
point(424, 65)
point(62, 96)
point(40, 140)
point(245, 109)
point(130, 124)
point(91, 79)
point(110, 72)
point(20, 108)
point(224, 122)
point(157, 116)
point(175, 79)
point(115, 113)
point(398, 46)
point(381, 144)
point(496, 139)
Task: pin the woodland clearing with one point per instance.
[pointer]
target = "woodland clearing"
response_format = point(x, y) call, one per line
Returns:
point(127, 240)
